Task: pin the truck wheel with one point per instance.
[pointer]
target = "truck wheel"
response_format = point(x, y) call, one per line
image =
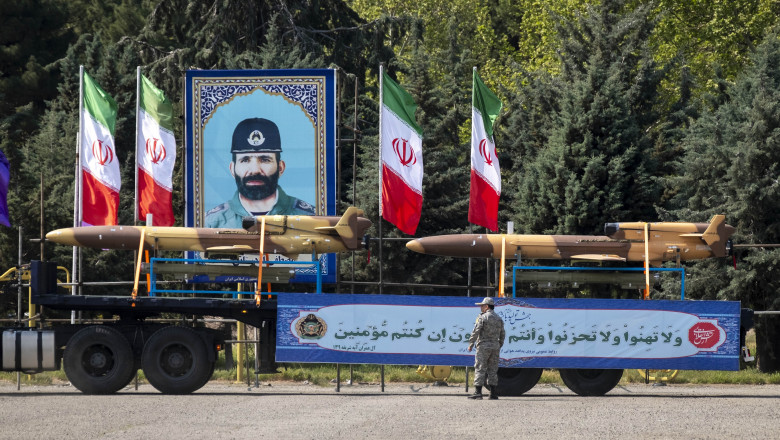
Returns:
point(517, 381)
point(98, 360)
point(591, 382)
point(212, 367)
point(175, 360)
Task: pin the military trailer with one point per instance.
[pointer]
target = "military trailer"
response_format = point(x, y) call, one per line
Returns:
point(180, 359)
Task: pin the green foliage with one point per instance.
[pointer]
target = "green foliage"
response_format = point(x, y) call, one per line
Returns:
point(703, 33)
point(110, 18)
point(595, 163)
point(731, 164)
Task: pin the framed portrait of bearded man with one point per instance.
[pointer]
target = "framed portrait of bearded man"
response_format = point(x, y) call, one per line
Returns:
point(261, 142)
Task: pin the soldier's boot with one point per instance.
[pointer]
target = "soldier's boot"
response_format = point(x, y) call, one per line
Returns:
point(493, 393)
point(477, 394)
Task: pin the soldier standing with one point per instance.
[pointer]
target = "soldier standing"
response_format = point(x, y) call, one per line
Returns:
point(488, 336)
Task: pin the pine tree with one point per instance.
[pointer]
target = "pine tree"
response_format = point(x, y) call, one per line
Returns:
point(731, 165)
point(596, 164)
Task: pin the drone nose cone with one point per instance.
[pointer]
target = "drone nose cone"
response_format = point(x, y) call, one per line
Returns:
point(458, 245)
point(62, 236)
point(415, 246)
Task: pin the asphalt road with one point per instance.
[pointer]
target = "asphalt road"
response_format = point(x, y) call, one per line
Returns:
point(402, 411)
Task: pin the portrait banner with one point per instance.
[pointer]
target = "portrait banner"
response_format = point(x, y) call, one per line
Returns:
point(540, 333)
point(261, 142)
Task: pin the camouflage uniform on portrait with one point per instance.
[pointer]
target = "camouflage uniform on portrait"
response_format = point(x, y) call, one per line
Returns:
point(488, 337)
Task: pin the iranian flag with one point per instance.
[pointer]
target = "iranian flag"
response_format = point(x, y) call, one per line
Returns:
point(155, 153)
point(401, 161)
point(485, 172)
point(99, 165)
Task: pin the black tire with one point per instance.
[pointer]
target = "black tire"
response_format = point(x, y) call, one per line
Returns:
point(99, 360)
point(175, 360)
point(517, 381)
point(208, 376)
point(591, 382)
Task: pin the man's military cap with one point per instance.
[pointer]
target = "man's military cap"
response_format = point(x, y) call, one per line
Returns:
point(256, 135)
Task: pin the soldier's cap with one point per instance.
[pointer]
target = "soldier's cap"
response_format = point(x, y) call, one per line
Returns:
point(256, 135)
point(487, 301)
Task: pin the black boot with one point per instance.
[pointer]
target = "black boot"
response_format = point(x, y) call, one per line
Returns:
point(477, 393)
point(493, 393)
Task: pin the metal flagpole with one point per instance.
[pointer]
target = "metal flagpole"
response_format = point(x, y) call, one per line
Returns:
point(468, 292)
point(381, 103)
point(137, 130)
point(77, 194)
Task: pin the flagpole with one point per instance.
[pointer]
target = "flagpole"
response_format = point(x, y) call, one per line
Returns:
point(470, 153)
point(381, 103)
point(137, 130)
point(77, 193)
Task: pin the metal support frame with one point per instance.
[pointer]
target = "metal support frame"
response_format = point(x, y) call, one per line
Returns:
point(153, 291)
point(681, 270)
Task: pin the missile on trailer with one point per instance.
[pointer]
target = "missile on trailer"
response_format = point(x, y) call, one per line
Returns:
point(621, 242)
point(284, 234)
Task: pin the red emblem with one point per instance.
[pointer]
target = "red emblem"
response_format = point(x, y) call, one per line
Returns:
point(485, 152)
point(155, 150)
point(102, 152)
point(704, 335)
point(404, 152)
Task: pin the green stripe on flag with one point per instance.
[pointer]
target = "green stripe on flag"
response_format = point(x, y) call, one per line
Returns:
point(400, 102)
point(155, 104)
point(486, 102)
point(99, 104)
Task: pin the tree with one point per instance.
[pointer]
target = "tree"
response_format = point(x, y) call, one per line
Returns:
point(445, 184)
point(596, 165)
point(32, 38)
point(179, 35)
point(731, 165)
point(705, 33)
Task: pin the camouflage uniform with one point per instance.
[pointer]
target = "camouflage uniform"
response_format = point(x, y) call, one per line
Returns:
point(488, 337)
point(230, 213)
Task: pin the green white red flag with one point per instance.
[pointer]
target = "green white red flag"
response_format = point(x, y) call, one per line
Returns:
point(155, 154)
point(99, 165)
point(485, 171)
point(401, 161)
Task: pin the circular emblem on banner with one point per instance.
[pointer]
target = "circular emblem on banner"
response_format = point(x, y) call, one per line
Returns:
point(311, 327)
point(704, 335)
point(256, 138)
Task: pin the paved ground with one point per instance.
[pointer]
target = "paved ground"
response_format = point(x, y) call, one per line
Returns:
point(403, 411)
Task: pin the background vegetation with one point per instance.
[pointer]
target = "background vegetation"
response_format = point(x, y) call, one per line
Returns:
point(614, 110)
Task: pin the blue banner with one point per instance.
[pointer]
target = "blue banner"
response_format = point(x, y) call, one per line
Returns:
point(540, 333)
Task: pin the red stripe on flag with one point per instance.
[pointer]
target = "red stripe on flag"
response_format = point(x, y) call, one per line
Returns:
point(401, 205)
point(100, 203)
point(154, 199)
point(483, 203)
